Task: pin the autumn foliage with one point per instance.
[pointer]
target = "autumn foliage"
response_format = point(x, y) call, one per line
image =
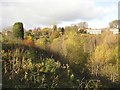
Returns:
point(54, 60)
point(29, 42)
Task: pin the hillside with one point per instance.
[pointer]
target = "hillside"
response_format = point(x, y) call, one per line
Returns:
point(60, 59)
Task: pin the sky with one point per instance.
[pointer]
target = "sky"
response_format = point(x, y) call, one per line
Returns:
point(40, 13)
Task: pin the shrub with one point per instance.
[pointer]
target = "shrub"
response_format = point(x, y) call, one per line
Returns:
point(29, 42)
point(41, 43)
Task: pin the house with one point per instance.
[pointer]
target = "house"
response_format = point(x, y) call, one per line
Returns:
point(114, 30)
point(94, 31)
point(7, 33)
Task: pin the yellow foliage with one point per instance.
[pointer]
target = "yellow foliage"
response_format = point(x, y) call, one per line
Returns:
point(54, 35)
point(29, 37)
point(28, 65)
point(41, 43)
point(102, 54)
point(56, 45)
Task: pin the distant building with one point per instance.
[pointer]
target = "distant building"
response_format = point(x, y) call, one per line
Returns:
point(94, 31)
point(114, 30)
point(7, 33)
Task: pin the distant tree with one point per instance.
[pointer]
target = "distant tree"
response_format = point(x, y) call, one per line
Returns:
point(54, 27)
point(54, 35)
point(113, 24)
point(9, 28)
point(62, 30)
point(29, 32)
point(83, 25)
point(18, 30)
point(81, 31)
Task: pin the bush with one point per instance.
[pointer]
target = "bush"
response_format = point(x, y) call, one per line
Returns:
point(29, 42)
point(41, 43)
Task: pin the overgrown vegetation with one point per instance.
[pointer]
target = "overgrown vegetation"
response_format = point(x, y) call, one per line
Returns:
point(60, 58)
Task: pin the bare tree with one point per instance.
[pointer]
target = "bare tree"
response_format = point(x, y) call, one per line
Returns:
point(83, 25)
point(113, 24)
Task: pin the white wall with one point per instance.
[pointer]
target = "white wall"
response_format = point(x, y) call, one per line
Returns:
point(94, 31)
point(115, 30)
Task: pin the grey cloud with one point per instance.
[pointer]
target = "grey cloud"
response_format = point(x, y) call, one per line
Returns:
point(45, 12)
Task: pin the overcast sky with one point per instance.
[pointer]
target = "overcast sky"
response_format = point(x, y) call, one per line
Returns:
point(35, 13)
